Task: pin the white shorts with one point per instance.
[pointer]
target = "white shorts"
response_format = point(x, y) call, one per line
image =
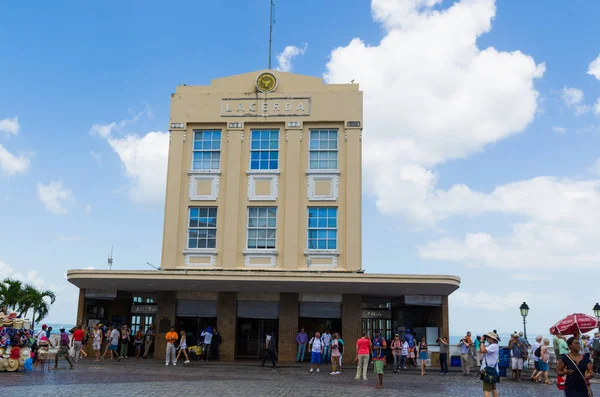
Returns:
point(96, 345)
point(517, 363)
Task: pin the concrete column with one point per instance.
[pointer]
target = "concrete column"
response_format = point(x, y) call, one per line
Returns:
point(288, 327)
point(233, 200)
point(445, 326)
point(175, 183)
point(292, 182)
point(353, 218)
point(167, 302)
point(80, 308)
point(226, 323)
point(351, 325)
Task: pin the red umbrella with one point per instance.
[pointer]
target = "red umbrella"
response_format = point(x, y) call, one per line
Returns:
point(573, 323)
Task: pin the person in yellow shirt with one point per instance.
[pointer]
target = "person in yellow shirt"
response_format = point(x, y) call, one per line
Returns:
point(171, 338)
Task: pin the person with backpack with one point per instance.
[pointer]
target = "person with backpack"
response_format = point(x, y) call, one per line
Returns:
point(536, 349)
point(595, 352)
point(315, 346)
point(543, 359)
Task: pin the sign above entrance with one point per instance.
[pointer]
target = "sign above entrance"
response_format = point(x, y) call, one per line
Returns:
point(423, 300)
point(97, 293)
point(144, 309)
point(376, 314)
point(269, 107)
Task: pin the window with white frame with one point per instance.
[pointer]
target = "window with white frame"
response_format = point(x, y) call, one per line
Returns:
point(323, 150)
point(262, 227)
point(322, 228)
point(202, 227)
point(207, 150)
point(264, 150)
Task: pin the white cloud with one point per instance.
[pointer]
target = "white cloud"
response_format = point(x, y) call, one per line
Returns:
point(54, 195)
point(431, 95)
point(10, 126)
point(145, 162)
point(533, 276)
point(559, 231)
point(597, 107)
point(31, 278)
point(559, 130)
point(488, 301)
point(594, 68)
point(87, 209)
point(287, 55)
point(11, 164)
point(573, 98)
point(106, 130)
point(97, 157)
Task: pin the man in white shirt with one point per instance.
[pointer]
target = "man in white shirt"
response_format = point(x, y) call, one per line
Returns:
point(326, 338)
point(207, 335)
point(316, 350)
point(536, 345)
point(490, 359)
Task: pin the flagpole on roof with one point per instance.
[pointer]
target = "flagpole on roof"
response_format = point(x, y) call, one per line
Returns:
point(270, 31)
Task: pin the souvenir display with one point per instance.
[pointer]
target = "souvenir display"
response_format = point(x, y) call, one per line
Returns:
point(17, 344)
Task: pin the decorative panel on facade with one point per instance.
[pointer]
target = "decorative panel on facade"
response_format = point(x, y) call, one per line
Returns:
point(323, 259)
point(260, 259)
point(263, 186)
point(204, 187)
point(200, 258)
point(323, 187)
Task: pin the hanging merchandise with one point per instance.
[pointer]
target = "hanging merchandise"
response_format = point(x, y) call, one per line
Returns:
point(17, 344)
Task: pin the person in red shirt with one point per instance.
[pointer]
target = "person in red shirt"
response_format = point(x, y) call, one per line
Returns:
point(363, 351)
point(78, 341)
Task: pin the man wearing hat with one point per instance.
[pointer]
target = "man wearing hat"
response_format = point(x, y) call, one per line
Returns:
point(519, 352)
point(490, 359)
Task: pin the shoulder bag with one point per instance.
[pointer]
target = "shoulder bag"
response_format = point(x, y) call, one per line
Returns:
point(589, 389)
point(489, 374)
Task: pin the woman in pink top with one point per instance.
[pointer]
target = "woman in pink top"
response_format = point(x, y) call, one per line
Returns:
point(543, 362)
point(335, 355)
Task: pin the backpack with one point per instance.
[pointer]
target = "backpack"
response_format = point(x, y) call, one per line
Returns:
point(596, 345)
point(538, 352)
point(341, 347)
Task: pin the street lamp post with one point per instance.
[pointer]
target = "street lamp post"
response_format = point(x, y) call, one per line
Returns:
point(596, 310)
point(524, 312)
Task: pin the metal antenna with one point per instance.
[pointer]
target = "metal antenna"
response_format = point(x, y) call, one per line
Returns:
point(270, 32)
point(110, 258)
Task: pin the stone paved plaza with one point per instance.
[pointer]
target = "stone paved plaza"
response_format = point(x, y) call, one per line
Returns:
point(151, 378)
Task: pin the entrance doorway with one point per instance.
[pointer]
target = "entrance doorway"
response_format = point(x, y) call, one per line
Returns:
point(193, 327)
point(251, 336)
point(370, 325)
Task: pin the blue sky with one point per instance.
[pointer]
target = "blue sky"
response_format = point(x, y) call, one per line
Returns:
point(480, 141)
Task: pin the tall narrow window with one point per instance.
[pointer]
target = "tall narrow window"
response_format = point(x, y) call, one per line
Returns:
point(264, 150)
point(207, 150)
point(323, 150)
point(262, 227)
point(322, 228)
point(202, 228)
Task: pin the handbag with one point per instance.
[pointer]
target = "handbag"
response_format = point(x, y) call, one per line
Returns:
point(589, 389)
point(488, 374)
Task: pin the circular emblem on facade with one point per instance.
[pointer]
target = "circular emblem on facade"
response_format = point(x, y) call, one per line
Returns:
point(266, 82)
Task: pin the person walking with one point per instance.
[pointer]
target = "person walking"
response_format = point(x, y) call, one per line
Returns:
point(396, 347)
point(107, 331)
point(477, 344)
point(171, 338)
point(423, 354)
point(490, 362)
point(63, 349)
point(536, 359)
point(379, 354)
point(543, 361)
point(519, 352)
point(463, 345)
point(301, 341)
point(363, 351)
point(326, 338)
point(182, 348)
point(138, 341)
point(215, 343)
point(577, 369)
point(149, 340)
point(270, 350)
point(207, 335)
point(444, 348)
point(97, 341)
point(114, 343)
point(335, 355)
point(316, 351)
point(404, 354)
point(125, 338)
point(77, 342)
point(411, 348)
